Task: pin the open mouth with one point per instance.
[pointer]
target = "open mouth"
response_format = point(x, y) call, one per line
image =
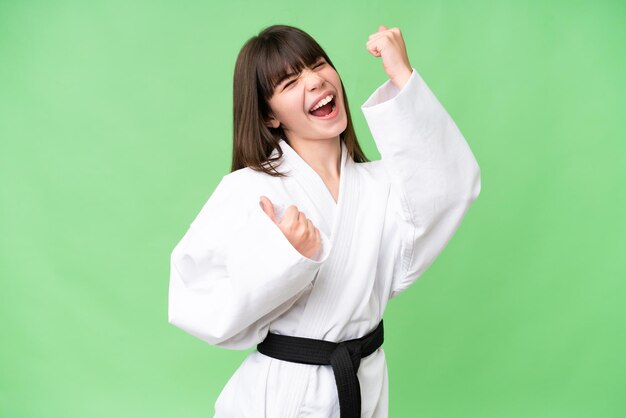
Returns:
point(326, 111)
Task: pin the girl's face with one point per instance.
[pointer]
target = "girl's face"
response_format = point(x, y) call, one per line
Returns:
point(296, 95)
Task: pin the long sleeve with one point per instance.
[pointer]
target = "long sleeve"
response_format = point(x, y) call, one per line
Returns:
point(433, 173)
point(234, 271)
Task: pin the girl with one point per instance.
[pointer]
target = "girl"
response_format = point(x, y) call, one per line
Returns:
point(301, 246)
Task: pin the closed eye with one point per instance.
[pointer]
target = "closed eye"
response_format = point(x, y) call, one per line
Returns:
point(323, 62)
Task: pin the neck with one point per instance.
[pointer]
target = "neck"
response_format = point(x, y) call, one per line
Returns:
point(324, 156)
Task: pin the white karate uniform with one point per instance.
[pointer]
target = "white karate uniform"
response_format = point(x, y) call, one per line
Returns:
point(235, 276)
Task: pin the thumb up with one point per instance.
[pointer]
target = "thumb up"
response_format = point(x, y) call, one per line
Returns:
point(268, 208)
point(298, 230)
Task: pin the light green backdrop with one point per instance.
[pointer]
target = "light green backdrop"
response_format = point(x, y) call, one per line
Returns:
point(115, 127)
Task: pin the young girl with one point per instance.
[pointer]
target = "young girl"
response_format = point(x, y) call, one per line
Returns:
point(301, 246)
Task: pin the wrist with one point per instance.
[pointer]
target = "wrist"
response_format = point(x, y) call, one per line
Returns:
point(401, 79)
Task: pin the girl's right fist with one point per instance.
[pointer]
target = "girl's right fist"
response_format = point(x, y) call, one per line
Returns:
point(298, 230)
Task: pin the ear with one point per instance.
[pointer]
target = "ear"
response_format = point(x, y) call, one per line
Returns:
point(272, 122)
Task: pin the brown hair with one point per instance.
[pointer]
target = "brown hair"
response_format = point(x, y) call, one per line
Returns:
point(261, 62)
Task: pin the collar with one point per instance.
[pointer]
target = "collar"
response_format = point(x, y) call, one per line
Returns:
point(313, 184)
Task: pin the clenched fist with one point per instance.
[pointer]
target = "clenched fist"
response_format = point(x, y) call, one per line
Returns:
point(388, 44)
point(298, 230)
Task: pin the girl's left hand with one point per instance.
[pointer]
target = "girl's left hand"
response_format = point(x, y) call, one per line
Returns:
point(389, 44)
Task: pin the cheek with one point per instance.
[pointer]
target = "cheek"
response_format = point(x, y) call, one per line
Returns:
point(333, 75)
point(286, 105)
point(289, 115)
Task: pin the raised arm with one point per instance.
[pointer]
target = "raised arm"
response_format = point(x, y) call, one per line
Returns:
point(433, 172)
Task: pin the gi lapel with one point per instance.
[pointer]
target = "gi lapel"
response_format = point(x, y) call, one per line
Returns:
point(339, 219)
point(313, 185)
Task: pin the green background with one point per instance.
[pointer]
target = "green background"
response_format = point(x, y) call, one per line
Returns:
point(115, 127)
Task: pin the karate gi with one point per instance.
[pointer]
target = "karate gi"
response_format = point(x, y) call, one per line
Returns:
point(235, 276)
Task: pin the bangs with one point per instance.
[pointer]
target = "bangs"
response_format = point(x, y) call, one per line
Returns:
point(283, 55)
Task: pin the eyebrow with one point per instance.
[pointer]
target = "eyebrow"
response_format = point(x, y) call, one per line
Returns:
point(284, 77)
point(289, 75)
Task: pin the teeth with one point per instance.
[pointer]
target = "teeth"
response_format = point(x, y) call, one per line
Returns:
point(323, 102)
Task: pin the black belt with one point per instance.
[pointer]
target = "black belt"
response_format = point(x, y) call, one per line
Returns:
point(344, 357)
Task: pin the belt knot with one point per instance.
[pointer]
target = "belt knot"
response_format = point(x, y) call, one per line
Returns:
point(351, 350)
point(344, 357)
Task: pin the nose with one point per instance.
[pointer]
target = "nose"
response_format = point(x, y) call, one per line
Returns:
point(312, 79)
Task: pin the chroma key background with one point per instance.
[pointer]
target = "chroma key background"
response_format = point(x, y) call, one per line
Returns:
point(115, 127)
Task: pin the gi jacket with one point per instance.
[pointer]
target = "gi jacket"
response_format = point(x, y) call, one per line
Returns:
point(235, 276)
